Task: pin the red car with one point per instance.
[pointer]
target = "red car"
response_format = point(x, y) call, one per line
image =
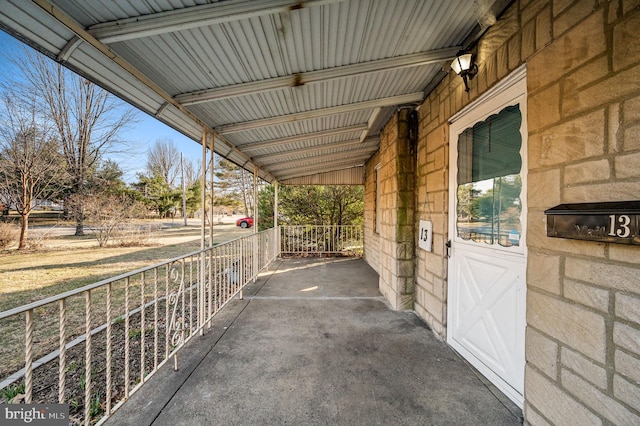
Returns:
point(245, 222)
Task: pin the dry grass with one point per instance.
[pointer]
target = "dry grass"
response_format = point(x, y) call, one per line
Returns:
point(69, 262)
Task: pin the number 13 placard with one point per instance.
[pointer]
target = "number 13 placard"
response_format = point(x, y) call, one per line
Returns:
point(425, 237)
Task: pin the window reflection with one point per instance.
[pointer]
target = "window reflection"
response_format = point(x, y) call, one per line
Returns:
point(489, 182)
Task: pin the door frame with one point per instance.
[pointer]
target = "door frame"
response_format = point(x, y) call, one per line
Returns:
point(509, 91)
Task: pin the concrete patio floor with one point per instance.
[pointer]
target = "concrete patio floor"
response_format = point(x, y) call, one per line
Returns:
point(314, 343)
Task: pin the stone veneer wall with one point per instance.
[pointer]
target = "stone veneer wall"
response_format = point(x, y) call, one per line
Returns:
point(395, 241)
point(583, 298)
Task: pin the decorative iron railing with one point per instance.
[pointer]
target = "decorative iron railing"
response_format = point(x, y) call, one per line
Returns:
point(95, 346)
point(322, 239)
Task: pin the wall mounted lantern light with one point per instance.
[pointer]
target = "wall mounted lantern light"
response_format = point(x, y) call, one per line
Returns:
point(465, 68)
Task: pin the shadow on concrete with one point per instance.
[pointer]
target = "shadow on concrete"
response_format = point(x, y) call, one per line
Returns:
point(313, 342)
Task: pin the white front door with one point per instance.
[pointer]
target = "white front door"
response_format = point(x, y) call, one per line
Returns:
point(487, 269)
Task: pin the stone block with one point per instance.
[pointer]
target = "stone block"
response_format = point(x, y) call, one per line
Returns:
point(603, 404)
point(498, 34)
point(560, 6)
point(554, 403)
point(629, 5)
point(543, 108)
point(585, 368)
point(614, 139)
point(573, 16)
point(592, 297)
point(502, 62)
point(568, 52)
point(631, 140)
point(528, 39)
point(434, 306)
point(543, 272)
point(571, 141)
point(492, 70)
point(544, 189)
point(588, 171)
point(533, 418)
point(628, 365)
point(532, 9)
point(626, 49)
point(628, 307)
point(623, 253)
point(588, 73)
point(514, 50)
point(543, 28)
point(614, 191)
point(573, 325)
point(542, 352)
point(619, 277)
point(405, 268)
point(626, 337)
point(604, 92)
point(631, 110)
point(627, 392)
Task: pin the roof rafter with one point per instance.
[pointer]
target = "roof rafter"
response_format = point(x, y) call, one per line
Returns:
point(325, 159)
point(398, 62)
point(194, 17)
point(408, 98)
point(318, 148)
point(329, 167)
point(254, 146)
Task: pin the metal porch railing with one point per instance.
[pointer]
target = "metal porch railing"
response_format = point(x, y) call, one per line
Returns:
point(93, 347)
point(322, 239)
point(110, 337)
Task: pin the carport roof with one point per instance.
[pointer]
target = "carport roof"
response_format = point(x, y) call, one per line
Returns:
point(299, 89)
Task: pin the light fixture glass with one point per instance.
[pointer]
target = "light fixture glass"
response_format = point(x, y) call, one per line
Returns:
point(461, 63)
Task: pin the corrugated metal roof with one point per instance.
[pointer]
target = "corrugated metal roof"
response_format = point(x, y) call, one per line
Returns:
point(296, 88)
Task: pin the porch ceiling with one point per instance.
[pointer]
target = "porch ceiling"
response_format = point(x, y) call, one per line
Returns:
point(299, 89)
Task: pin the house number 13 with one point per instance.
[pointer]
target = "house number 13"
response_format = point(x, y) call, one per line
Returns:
point(619, 226)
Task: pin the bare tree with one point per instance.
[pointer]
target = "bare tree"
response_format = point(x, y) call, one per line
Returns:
point(192, 172)
point(31, 168)
point(233, 183)
point(87, 119)
point(163, 159)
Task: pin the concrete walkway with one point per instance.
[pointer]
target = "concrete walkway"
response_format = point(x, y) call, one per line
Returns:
point(314, 343)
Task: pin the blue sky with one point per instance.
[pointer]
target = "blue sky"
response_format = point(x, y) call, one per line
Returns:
point(141, 135)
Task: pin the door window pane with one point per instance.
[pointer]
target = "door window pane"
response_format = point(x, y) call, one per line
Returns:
point(489, 181)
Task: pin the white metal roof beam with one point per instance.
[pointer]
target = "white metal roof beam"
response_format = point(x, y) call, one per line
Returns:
point(408, 98)
point(320, 169)
point(254, 146)
point(289, 165)
point(316, 149)
point(241, 89)
point(194, 17)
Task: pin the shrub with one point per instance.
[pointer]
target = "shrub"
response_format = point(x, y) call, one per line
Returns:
point(8, 234)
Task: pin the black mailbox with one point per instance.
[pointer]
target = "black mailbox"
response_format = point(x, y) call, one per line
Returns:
point(611, 222)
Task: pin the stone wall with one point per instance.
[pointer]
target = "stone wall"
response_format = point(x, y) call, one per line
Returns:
point(583, 298)
point(395, 239)
point(583, 309)
point(371, 234)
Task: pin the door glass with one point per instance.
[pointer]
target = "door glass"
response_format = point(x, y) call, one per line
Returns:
point(489, 181)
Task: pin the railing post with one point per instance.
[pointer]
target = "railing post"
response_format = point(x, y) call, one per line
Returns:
point(241, 274)
point(87, 360)
point(28, 359)
point(62, 349)
point(108, 349)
